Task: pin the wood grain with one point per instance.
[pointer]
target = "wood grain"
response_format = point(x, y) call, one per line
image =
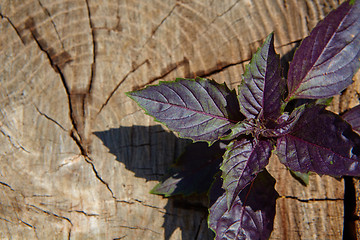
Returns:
point(78, 157)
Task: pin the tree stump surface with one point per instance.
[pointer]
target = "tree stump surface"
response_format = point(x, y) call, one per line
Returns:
point(78, 158)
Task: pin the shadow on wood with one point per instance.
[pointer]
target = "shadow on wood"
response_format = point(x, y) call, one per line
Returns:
point(149, 152)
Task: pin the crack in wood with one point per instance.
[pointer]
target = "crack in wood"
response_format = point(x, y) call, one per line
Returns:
point(94, 50)
point(221, 66)
point(6, 220)
point(54, 215)
point(89, 161)
point(222, 14)
point(170, 68)
point(210, 23)
point(229, 9)
point(74, 135)
point(7, 185)
point(51, 213)
point(78, 104)
point(159, 209)
point(312, 199)
point(119, 84)
point(158, 26)
point(27, 224)
point(49, 118)
point(138, 228)
point(17, 145)
point(13, 26)
point(124, 201)
point(40, 195)
point(52, 22)
point(289, 43)
point(30, 25)
point(150, 206)
point(85, 213)
point(57, 60)
point(78, 100)
point(118, 238)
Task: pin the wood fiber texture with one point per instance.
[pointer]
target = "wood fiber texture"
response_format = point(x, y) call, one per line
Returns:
point(78, 158)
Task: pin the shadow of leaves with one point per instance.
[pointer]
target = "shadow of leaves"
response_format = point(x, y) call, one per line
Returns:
point(149, 152)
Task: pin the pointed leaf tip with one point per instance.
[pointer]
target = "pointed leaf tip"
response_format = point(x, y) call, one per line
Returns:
point(252, 214)
point(199, 109)
point(262, 87)
point(243, 160)
point(328, 58)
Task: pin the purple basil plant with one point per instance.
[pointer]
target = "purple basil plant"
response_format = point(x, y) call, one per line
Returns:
point(268, 114)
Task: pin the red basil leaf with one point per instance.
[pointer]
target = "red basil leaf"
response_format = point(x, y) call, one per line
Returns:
point(353, 118)
point(252, 214)
point(242, 161)
point(199, 109)
point(262, 86)
point(327, 60)
point(321, 142)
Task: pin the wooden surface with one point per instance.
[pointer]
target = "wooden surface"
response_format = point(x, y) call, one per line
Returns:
point(78, 158)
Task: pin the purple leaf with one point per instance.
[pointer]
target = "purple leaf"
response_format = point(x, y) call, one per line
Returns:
point(321, 142)
point(284, 124)
point(242, 161)
point(244, 127)
point(353, 118)
point(327, 60)
point(281, 126)
point(199, 109)
point(262, 86)
point(251, 216)
point(194, 170)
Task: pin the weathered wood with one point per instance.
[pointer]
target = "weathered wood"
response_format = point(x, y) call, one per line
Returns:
point(78, 158)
